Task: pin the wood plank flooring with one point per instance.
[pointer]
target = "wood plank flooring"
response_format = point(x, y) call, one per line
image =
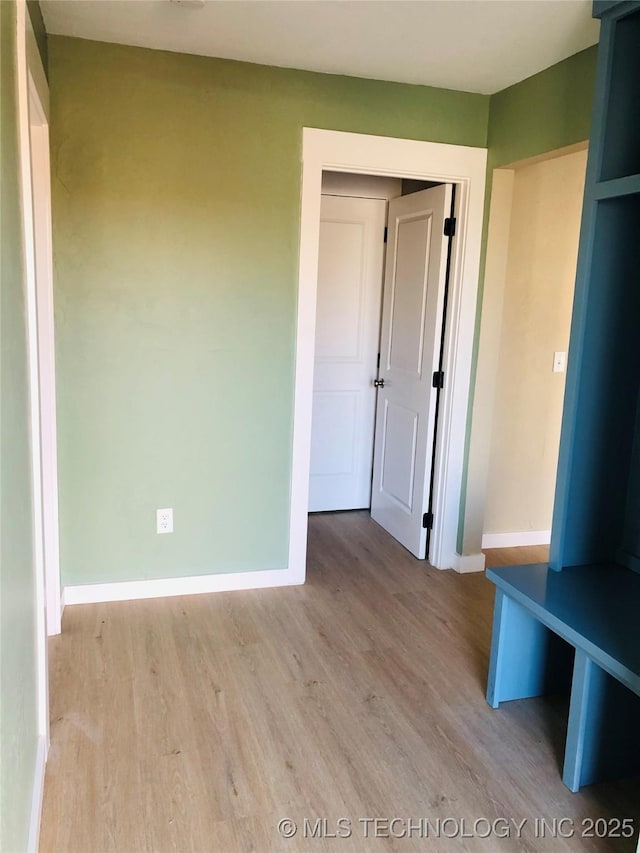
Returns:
point(198, 723)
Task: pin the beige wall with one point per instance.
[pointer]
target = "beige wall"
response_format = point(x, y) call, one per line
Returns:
point(536, 316)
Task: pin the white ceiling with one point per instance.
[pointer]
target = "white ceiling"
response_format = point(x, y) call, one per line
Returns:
point(474, 45)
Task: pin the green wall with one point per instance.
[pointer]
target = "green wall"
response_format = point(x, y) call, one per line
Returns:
point(545, 112)
point(18, 720)
point(176, 193)
point(176, 186)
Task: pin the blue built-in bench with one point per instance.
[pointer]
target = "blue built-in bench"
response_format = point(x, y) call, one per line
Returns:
point(579, 628)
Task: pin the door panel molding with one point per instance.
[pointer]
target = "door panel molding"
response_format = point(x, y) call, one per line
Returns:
point(406, 220)
point(410, 421)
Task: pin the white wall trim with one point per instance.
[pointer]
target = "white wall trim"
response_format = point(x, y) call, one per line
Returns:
point(166, 587)
point(516, 540)
point(469, 563)
point(24, 84)
point(376, 155)
point(37, 791)
point(30, 77)
point(33, 97)
point(41, 188)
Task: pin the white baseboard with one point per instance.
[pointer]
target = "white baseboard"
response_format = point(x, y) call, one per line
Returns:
point(516, 540)
point(466, 563)
point(36, 795)
point(165, 587)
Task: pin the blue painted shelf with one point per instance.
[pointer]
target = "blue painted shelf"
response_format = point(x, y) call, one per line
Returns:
point(617, 187)
point(596, 608)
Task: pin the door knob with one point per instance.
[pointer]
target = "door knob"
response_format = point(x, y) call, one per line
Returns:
point(378, 383)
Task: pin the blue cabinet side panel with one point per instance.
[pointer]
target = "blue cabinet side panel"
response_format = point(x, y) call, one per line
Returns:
point(527, 659)
point(591, 522)
point(606, 390)
point(630, 547)
point(580, 303)
point(621, 143)
point(603, 740)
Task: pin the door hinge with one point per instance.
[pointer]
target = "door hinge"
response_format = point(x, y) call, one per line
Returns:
point(450, 226)
point(378, 364)
point(427, 520)
point(438, 379)
point(386, 233)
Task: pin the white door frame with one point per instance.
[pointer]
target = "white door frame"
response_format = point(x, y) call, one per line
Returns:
point(430, 161)
point(41, 189)
point(36, 185)
point(33, 130)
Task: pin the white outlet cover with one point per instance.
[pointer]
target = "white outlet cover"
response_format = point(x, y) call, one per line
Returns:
point(164, 520)
point(559, 362)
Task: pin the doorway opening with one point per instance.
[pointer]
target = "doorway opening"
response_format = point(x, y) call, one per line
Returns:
point(531, 265)
point(384, 255)
point(438, 163)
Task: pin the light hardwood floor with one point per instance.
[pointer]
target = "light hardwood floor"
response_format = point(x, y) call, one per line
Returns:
point(197, 723)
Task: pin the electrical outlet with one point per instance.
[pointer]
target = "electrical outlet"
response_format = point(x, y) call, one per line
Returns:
point(164, 521)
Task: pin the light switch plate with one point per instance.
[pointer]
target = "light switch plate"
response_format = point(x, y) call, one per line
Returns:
point(559, 362)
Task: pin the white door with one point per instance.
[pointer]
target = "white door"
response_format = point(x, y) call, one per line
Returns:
point(350, 269)
point(412, 312)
